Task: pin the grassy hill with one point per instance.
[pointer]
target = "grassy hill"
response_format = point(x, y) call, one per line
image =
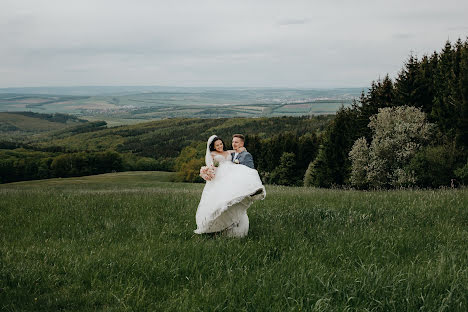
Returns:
point(125, 241)
point(27, 123)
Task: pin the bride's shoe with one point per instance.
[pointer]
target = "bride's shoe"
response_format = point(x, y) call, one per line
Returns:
point(258, 192)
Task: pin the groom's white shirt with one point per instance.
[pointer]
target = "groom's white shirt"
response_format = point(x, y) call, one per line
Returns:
point(235, 155)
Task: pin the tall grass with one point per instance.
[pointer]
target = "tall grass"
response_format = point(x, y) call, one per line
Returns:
point(125, 242)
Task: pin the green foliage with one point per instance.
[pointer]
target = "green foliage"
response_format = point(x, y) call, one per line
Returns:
point(20, 125)
point(125, 242)
point(189, 153)
point(438, 85)
point(190, 170)
point(359, 156)
point(20, 164)
point(146, 164)
point(151, 164)
point(158, 145)
point(332, 165)
point(308, 175)
point(398, 134)
point(189, 162)
point(79, 164)
point(267, 154)
point(167, 138)
point(285, 173)
point(433, 165)
point(317, 173)
point(462, 173)
point(87, 127)
point(55, 117)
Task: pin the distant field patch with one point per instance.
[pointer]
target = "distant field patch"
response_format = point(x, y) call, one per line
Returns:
point(250, 108)
point(95, 105)
point(294, 108)
point(298, 106)
point(32, 100)
point(18, 105)
point(125, 107)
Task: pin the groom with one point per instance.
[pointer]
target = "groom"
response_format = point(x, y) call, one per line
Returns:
point(243, 158)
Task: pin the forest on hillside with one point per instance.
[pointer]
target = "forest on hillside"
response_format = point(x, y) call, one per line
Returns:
point(83, 149)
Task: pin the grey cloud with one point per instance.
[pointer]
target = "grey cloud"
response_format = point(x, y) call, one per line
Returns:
point(219, 42)
point(403, 36)
point(294, 22)
point(461, 28)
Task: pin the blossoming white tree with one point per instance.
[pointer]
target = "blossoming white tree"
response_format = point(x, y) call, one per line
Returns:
point(359, 156)
point(398, 134)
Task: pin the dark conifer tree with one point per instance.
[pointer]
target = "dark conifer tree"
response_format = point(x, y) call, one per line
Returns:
point(462, 125)
point(406, 84)
point(332, 167)
point(443, 106)
point(424, 86)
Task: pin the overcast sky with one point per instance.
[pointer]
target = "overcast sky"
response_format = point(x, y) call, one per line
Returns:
point(236, 43)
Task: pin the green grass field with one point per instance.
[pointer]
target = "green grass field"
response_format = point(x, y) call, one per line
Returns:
point(125, 242)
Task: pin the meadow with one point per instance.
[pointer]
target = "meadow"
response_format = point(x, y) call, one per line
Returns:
point(125, 242)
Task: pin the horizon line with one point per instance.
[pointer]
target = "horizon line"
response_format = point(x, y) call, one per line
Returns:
point(176, 86)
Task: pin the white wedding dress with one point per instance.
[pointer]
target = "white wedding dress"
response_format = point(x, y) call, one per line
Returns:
point(226, 198)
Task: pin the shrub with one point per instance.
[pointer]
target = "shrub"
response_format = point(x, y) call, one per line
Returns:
point(359, 156)
point(190, 171)
point(433, 165)
point(146, 164)
point(188, 164)
point(398, 134)
point(462, 173)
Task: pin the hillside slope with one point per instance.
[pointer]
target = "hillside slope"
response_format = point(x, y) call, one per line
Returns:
point(27, 122)
point(166, 138)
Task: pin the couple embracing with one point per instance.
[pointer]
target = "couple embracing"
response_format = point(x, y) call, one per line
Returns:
point(230, 190)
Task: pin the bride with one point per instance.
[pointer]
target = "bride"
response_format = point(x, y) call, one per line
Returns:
point(226, 197)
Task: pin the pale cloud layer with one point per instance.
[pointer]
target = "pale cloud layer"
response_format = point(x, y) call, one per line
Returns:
point(304, 44)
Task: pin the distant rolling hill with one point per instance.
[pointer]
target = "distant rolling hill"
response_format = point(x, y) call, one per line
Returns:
point(130, 105)
point(24, 123)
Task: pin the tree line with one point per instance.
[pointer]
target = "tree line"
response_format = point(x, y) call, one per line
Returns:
point(437, 85)
point(19, 165)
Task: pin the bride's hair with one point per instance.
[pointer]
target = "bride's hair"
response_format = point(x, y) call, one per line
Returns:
point(212, 148)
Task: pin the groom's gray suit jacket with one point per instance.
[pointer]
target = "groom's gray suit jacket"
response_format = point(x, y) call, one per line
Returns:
point(245, 158)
